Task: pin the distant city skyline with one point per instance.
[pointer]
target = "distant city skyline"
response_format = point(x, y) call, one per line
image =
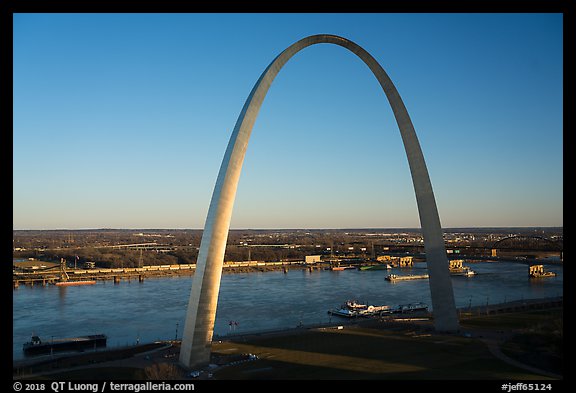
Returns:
point(122, 120)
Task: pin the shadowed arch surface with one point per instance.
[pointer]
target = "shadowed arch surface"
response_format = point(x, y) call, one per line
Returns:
point(201, 313)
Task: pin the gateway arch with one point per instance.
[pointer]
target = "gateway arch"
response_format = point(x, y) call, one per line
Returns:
point(201, 313)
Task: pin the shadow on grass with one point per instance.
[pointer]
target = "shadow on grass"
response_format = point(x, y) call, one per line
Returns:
point(360, 353)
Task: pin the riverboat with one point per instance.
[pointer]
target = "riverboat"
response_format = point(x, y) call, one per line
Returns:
point(352, 309)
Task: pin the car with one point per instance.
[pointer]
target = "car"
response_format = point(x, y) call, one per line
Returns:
point(194, 374)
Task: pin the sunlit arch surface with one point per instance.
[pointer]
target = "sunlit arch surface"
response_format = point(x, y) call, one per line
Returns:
point(201, 313)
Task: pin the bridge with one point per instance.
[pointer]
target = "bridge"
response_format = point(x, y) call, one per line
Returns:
point(530, 243)
point(518, 243)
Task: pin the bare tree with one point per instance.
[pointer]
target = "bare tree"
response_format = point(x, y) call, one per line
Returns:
point(163, 371)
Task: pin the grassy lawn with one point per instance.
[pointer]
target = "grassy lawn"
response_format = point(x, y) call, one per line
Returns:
point(517, 320)
point(361, 353)
point(536, 339)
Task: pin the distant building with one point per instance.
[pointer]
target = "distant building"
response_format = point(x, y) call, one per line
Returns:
point(312, 259)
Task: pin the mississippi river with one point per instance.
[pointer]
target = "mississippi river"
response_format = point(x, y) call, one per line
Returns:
point(132, 312)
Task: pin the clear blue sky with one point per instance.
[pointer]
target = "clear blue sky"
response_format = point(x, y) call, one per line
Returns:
point(122, 120)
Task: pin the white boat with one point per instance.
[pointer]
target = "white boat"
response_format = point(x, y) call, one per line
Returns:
point(345, 312)
point(354, 305)
point(353, 309)
point(350, 309)
point(379, 309)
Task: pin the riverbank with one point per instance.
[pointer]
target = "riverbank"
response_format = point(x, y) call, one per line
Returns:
point(53, 275)
point(386, 348)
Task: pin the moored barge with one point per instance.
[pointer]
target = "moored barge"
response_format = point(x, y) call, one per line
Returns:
point(37, 347)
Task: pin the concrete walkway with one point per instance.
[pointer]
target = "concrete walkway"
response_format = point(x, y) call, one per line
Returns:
point(493, 340)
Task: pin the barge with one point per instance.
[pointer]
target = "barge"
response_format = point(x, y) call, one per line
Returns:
point(37, 347)
point(74, 283)
point(385, 266)
point(394, 277)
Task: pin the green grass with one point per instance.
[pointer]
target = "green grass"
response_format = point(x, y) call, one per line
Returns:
point(360, 353)
point(514, 320)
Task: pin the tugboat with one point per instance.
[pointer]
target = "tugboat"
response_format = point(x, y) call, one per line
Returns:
point(36, 347)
